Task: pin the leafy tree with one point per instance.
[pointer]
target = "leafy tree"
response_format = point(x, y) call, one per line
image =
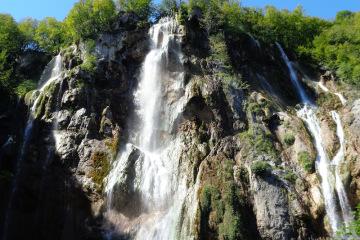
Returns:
point(28, 28)
point(50, 35)
point(338, 48)
point(343, 15)
point(104, 12)
point(89, 17)
point(10, 46)
point(141, 7)
point(168, 7)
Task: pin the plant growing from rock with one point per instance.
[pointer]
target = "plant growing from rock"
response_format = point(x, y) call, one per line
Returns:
point(289, 139)
point(260, 168)
point(306, 161)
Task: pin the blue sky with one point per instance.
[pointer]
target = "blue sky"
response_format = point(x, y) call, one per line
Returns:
point(59, 8)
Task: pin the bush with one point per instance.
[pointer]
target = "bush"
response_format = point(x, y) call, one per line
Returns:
point(289, 139)
point(231, 225)
point(260, 167)
point(306, 162)
point(25, 86)
point(290, 176)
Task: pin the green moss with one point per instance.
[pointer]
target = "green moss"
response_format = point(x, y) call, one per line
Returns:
point(89, 64)
point(260, 168)
point(101, 168)
point(289, 139)
point(290, 177)
point(25, 86)
point(40, 105)
point(306, 161)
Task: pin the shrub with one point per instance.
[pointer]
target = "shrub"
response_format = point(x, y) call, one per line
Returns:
point(289, 139)
point(25, 86)
point(210, 200)
point(89, 64)
point(260, 167)
point(290, 176)
point(231, 225)
point(306, 162)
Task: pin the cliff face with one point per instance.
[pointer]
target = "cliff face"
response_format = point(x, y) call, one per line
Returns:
point(247, 160)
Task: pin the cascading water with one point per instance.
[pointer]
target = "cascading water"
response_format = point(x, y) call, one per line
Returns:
point(308, 114)
point(50, 74)
point(158, 177)
point(339, 157)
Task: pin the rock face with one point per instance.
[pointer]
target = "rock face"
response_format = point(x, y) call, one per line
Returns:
point(249, 158)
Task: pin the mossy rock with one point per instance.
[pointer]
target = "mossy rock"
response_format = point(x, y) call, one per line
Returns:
point(101, 168)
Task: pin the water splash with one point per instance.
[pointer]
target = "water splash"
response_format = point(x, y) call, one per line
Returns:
point(157, 173)
point(330, 192)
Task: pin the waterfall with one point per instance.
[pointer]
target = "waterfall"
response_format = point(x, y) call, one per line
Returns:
point(339, 157)
point(330, 192)
point(157, 172)
point(50, 74)
point(293, 77)
point(339, 95)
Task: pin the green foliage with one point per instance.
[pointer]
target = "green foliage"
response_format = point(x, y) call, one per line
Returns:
point(289, 139)
point(352, 231)
point(230, 227)
point(290, 176)
point(260, 167)
point(141, 7)
point(10, 36)
point(338, 47)
point(89, 17)
point(10, 46)
point(50, 35)
point(219, 55)
point(220, 202)
point(25, 86)
point(291, 29)
point(89, 64)
point(306, 161)
point(28, 28)
point(168, 7)
point(218, 14)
